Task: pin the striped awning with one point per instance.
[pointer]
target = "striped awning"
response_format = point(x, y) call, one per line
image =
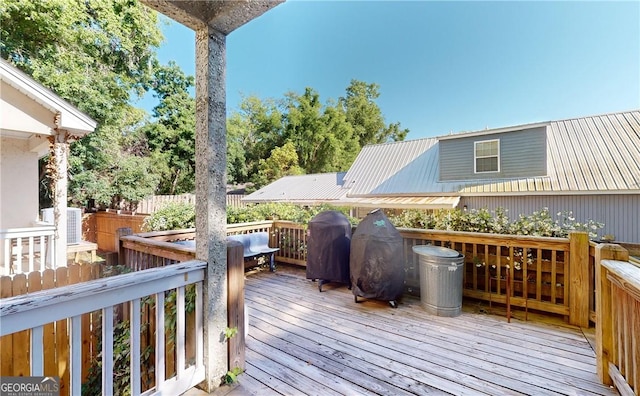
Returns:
point(401, 202)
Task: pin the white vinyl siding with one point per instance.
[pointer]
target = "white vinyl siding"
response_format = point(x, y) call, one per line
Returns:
point(487, 156)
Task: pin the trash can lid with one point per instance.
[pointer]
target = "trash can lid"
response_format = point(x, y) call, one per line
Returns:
point(437, 251)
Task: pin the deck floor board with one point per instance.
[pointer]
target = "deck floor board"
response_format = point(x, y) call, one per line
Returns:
point(303, 342)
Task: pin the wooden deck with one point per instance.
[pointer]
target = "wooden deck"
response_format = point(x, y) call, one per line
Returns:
point(303, 342)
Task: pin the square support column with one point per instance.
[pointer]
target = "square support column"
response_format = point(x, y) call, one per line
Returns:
point(211, 179)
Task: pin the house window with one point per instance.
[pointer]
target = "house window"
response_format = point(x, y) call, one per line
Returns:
point(487, 156)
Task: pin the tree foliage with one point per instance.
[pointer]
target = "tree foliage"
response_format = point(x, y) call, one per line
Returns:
point(95, 54)
point(365, 116)
point(326, 137)
point(101, 56)
point(98, 55)
point(171, 135)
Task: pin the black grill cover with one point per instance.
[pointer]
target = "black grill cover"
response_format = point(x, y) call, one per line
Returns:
point(377, 265)
point(328, 243)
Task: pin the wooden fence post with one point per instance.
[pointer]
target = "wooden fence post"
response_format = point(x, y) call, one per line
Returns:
point(120, 232)
point(235, 299)
point(605, 342)
point(579, 281)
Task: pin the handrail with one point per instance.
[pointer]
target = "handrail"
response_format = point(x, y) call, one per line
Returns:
point(34, 309)
point(24, 232)
point(27, 249)
point(617, 324)
point(506, 240)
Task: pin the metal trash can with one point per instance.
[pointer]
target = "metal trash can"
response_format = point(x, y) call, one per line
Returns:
point(441, 277)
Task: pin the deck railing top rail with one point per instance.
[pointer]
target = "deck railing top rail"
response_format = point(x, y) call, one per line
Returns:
point(624, 275)
point(35, 309)
point(24, 232)
point(506, 240)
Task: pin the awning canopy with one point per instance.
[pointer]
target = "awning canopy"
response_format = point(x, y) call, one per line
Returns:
point(401, 202)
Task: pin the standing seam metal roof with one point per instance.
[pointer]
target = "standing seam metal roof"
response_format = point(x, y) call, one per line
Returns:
point(301, 189)
point(590, 154)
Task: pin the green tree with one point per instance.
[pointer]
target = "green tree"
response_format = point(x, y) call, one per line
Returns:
point(94, 53)
point(253, 131)
point(365, 116)
point(97, 55)
point(171, 135)
point(321, 134)
point(283, 161)
point(111, 165)
point(305, 128)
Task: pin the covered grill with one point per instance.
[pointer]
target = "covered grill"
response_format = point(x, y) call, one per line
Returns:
point(328, 245)
point(376, 260)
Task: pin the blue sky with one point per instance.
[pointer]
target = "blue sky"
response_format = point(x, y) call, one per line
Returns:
point(442, 66)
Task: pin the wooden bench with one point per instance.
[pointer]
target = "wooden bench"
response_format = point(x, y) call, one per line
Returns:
point(256, 244)
point(80, 247)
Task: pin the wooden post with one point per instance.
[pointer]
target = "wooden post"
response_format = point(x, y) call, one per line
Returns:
point(120, 232)
point(605, 342)
point(579, 279)
point(236, 308)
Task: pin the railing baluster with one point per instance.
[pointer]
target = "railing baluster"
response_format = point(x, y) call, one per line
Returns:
point(19, 255)
point(160, 346)
point(7, 256)
point(180, 332)
point(75, 341)
point(37, 353)
point(199, 325)
point(31, 254)
point(134, 331)
point(107, 350)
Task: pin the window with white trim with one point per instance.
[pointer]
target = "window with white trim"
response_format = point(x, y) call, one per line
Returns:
point(487, 156)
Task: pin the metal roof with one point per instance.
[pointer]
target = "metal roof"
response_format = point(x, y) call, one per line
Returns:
point(401, 202)
point(301, 189)
point(596, 154)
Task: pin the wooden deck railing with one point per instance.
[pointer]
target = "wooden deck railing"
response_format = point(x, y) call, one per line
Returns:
point(618, 318)
point(27, 249)
point(552, 275)
point(158, 249)
point(35, 311)
point(546, 274)
point(555, 275)
point(15, 347)
point(291, 238)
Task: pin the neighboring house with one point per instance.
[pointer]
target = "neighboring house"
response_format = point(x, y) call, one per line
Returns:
point(311, 189)
point(33, 122)
point(589, 165)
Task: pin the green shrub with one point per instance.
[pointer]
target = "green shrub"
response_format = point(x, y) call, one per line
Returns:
point(279, 211)
point(539, 223)
point(172, 216)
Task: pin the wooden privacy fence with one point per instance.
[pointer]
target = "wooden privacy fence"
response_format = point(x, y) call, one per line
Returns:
point(14, 348)
point(101, 227)
point(151, 204)
point(618, 319)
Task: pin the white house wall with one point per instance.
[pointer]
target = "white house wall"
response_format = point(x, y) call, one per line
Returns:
point(619, 212)
point(19, 184)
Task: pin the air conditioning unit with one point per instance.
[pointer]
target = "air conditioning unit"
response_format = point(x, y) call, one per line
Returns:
point(74, 223)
